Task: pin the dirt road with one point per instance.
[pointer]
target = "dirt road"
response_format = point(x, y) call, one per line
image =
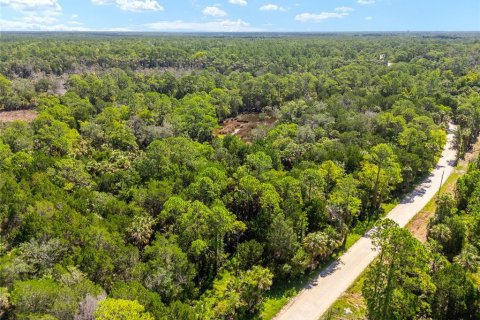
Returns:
point(327, 287)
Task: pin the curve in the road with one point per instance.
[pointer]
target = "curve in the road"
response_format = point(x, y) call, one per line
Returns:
point(326, 288)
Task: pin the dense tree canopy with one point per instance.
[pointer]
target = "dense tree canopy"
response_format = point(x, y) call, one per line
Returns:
point(123, 198)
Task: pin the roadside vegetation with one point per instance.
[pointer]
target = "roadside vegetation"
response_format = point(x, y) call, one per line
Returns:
point(353, 305)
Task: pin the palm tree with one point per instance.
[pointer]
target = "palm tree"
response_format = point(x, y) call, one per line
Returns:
point(468, 258)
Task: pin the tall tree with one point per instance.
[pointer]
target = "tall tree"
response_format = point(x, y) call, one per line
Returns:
point(398, 286)
point(380, 173)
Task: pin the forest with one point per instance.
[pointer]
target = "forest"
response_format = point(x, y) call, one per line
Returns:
point(122, 200)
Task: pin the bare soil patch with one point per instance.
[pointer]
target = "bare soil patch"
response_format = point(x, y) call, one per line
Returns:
point(472, 154)
point(243, 124)
point(23, 115)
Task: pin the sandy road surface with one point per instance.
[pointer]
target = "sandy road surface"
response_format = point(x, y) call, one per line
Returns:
point(327, 287)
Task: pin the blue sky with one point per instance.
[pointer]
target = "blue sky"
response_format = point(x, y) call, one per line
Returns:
point(240, 15)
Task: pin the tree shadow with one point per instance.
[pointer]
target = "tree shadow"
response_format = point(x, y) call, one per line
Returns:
point(412, 195)
point(452, 163)
point(330, 269)
point(369, 233)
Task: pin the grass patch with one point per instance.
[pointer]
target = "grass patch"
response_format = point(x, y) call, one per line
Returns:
point(351, 239)
point(282, 291)
point(273, 304)
point(387, 207)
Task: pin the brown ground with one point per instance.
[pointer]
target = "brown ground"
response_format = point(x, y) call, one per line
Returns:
point(243, 124)
point(24, 115)
point(472, 155)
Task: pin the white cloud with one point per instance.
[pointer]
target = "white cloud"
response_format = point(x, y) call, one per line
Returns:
point(366, 1)
point(238, 2)
point(32, 5)
point(271, 7)
point(139, 5)
point(120, 29)
point(75, 23)
point(344, 9)
point(38, 19)
point(214, 12)
point(35, 14)
point(312, 17)
point(369, 18)
point(340, 12)
point(43, 15)
point(19, 25)
point(212, 26)
point(132, 5)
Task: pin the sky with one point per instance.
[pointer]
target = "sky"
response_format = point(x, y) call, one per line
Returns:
point(240, 15)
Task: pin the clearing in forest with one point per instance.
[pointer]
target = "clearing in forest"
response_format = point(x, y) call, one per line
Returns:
point(24, 115)
point(243, 124)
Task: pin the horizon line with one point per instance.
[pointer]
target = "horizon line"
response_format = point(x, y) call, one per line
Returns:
point(237, 32)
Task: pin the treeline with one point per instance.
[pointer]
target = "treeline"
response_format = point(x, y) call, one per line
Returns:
point(24, 55)
point(120, 189)
point(274, 69)
point(436, 280)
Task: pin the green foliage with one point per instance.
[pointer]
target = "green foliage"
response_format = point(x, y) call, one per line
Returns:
point(136, 291)
point(43, 297)
point(54, 137)
point(167, 270)
point(194, 117)
point(320, 245)
point(126, 176)
point(34, 296)
point(380, 173)
point(456, 296)
point(18, 135)
point(235, 297)
point(119, 309)
point(398, 286)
